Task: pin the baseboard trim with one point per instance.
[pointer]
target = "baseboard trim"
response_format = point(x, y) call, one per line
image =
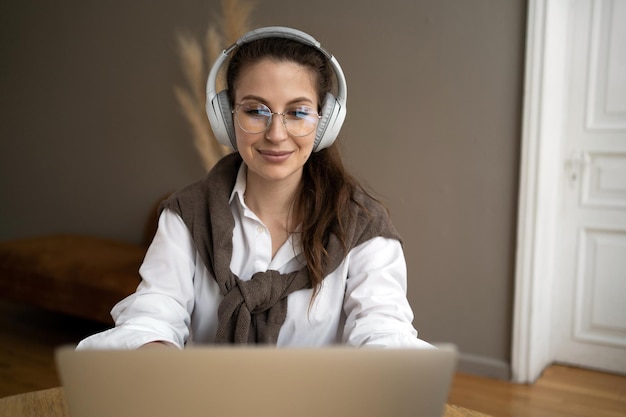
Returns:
point(484, 366)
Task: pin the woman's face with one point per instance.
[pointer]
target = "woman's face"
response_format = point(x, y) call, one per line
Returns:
point(275, 155)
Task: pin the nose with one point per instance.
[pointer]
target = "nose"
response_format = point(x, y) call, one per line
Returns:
point(276, 131)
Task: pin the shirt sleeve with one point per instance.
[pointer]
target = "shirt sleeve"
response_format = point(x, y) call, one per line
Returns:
point(160, 309)
point(377, 310)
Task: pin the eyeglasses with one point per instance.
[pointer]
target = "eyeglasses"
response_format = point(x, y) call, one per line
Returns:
point(253, 117)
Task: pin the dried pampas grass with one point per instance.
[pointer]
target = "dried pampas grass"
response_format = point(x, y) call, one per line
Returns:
point(196, 62)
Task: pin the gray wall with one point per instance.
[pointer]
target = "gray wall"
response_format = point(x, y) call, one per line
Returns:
point(91, 134)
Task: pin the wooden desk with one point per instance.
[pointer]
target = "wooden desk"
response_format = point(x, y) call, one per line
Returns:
point(46, 403)
point(51, 403)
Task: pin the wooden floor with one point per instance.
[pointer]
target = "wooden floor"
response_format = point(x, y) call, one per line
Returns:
point(561, 391)
point(28, 337)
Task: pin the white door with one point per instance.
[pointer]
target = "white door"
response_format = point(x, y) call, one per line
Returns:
point(589, 310)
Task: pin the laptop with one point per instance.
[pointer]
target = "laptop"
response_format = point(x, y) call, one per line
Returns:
point(257, 382)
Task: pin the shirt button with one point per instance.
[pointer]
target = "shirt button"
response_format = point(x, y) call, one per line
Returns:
point(260, 229)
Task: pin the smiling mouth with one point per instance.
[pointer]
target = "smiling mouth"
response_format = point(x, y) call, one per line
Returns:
point(275, 153)
point(275, 157)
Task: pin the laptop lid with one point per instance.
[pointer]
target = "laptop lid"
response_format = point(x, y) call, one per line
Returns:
point(257, 382)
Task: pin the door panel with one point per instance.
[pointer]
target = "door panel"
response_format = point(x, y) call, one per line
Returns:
point(600, 288)
point(604, 181)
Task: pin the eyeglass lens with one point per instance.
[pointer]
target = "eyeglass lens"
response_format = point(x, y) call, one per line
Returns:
point(255, 117)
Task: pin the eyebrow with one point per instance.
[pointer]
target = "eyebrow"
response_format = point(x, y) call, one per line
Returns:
point(260, 99)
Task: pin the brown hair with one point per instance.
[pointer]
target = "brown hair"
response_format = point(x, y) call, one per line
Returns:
point(280, 49)
point(324, 177)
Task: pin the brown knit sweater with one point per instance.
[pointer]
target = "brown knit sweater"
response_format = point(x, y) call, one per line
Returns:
point(253, 310)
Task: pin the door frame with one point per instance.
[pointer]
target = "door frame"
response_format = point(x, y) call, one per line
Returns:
point(540, 170)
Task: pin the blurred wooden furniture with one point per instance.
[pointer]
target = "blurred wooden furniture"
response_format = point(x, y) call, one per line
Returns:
point(80, 275)
point(51, 403)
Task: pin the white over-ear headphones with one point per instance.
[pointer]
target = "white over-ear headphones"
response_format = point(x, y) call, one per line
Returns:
point(219, 110)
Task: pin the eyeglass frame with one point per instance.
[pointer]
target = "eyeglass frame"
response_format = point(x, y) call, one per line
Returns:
point(271, 118)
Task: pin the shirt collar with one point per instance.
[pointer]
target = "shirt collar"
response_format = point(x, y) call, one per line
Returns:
point(284, 254)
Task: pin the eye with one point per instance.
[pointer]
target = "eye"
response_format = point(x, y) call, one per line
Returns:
point(301, 112)
point(256, 111)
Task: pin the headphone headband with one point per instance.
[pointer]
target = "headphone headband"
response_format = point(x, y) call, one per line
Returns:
point(219, 109)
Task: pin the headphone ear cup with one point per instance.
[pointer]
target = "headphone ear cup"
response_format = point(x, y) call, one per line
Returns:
point(221, 120)
point(333, 115)
point(227, 116)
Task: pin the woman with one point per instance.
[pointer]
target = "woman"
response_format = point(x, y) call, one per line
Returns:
point(278, 244)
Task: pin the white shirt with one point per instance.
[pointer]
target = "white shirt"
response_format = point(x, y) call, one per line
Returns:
point(362, 303)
